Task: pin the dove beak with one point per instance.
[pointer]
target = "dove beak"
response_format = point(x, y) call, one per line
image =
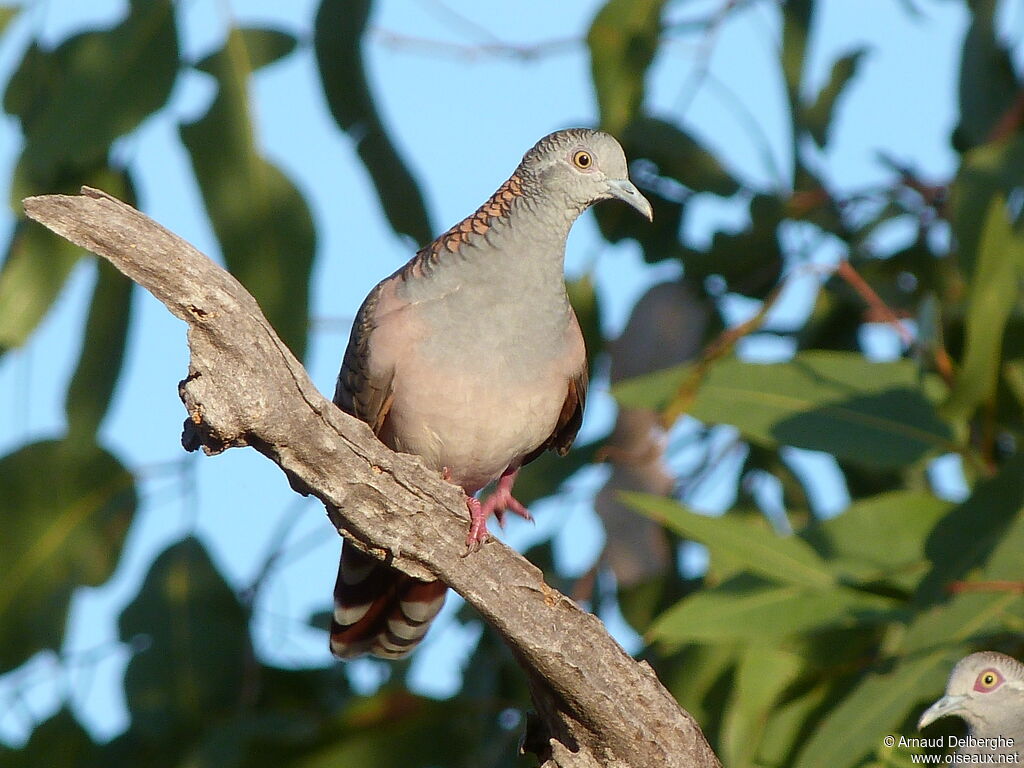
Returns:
point(947, 705)
point(624, 190)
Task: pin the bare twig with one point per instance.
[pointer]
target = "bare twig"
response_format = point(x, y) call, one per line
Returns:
point(471, 51)
point(703, 65)
point(881, 310)
point(717, 348)
point(596, 705)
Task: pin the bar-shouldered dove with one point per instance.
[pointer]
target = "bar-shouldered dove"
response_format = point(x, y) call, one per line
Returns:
point(471, 357)
point(986, 689)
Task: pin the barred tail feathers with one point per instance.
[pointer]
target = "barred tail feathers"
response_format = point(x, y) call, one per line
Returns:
point(379, 610)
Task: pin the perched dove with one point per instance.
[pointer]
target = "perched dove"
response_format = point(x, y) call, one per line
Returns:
point(986, 689)
point(471, 357)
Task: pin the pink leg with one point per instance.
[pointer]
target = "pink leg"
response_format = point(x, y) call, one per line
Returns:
point(497, 504)
point(502, 500)
point(477, 525)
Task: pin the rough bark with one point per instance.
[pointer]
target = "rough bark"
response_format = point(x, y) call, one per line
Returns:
point(597, 706)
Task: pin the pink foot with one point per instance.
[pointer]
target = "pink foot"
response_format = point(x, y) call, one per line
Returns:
point(477, 525)
point(502, 500)
point(498, 503)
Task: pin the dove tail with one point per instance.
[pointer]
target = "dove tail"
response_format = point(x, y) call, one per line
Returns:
point(380, 610)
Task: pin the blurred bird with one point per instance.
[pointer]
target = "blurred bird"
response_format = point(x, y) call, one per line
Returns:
point(986, 690)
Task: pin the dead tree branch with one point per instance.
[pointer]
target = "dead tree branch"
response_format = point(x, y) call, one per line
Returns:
point(597, 705)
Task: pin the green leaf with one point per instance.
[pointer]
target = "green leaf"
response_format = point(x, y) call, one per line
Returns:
point(623, 39)
point(99, 362)
point(60, 740)
point(653, 391)
point(785, 730)
point(1013, 371)
point(901, 519)
point(64, 510)
point(679, 156)
point(960, 620)
point(872, 414)
point(988, 85)
point(298, 699)
point(395, 729)
point(35, 269)
point(818, 117)
point(256, 46)
point(798, 17)
point(6, 14)
point(75, 100)
point(192, 666)
point(761, 676)
point(985, 171)
point(785, 560)
point(1004, 562)
point(39, 262)
point(261, 220)
point(340, 27)
point(966, 537)
point(743, 609)
point(750, 261)
point(699, 678)
point(993, 293)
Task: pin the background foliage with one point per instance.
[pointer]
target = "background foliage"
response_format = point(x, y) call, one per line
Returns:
point(805, 639)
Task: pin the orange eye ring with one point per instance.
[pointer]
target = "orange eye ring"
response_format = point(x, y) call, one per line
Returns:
point(988, 680)
point(582, 159)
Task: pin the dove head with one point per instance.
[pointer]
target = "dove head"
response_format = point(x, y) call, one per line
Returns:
point(585, 166)
point(985, 689)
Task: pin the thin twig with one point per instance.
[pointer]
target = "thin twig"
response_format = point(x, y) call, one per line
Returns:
point(720, 346)
point(521, 52)
point(882, 310)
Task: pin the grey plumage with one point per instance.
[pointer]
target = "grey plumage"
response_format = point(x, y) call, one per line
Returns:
point(471, 357)
point(986, 690)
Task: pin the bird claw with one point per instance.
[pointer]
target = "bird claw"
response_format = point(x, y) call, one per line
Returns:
point(497, 504)
point(477, 525)
point(502, 500)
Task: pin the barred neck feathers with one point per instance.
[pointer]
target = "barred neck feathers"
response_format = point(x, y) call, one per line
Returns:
point(559, 178)
point(498, 207)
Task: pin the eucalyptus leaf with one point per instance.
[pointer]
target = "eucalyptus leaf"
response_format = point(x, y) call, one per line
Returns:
point(742, 609)
point(993, 294)
point(193, 636)
point(786, 560)
point(65, 508)
point(819, 117)
point(94, 87)
point(338, 40)
point(263, 223)
point(623, 39)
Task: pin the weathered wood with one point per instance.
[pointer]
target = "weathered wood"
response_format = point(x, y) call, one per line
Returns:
point(244, 387)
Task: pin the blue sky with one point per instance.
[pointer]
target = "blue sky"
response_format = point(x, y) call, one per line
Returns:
point(463, 120)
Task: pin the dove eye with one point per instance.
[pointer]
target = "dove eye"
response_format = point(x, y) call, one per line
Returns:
point(582, 160)
point(987, 681)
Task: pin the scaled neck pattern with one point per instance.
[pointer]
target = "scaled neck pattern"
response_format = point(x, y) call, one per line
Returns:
point(516, 197)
